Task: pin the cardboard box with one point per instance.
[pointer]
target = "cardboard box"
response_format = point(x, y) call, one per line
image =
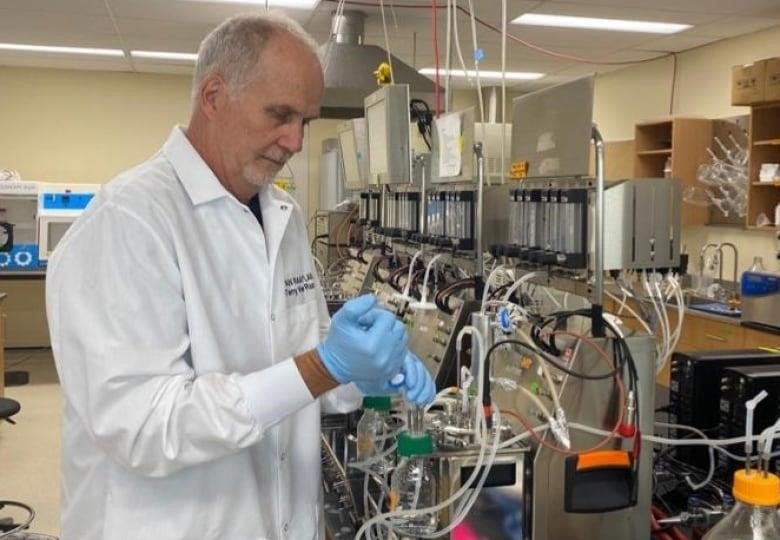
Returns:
point(772, 79)
point(747, 83)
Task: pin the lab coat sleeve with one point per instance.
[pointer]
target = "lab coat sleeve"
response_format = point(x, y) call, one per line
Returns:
point(118, 325)
point(346, 397)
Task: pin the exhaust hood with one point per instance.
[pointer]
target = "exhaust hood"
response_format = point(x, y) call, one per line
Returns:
point(349, 69)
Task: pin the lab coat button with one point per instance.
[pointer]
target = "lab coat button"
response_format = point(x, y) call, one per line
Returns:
point(283, 456)
point(273, 317)
point(283, 207)
point(286, 527)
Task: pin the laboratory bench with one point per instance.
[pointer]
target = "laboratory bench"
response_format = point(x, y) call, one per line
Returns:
point(702, 331)
point(25, 309)
point(2, 343)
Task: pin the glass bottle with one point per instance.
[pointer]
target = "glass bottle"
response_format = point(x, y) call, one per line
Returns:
point(758, 265)
point(668, 168)
point(372, 432)
point(413, 485)
point(754, 516)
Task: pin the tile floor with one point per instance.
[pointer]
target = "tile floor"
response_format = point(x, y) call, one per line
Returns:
point(30, 450)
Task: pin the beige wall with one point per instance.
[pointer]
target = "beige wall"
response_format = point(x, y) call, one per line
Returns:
point(703, 88)
point(85, 126)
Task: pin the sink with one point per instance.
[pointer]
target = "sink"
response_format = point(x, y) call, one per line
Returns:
point(716, 308)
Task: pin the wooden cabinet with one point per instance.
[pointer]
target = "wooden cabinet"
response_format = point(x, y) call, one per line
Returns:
point(2, 344)
point(763, 197)
point(684, 141)
point(756, 340)
point(701, 333)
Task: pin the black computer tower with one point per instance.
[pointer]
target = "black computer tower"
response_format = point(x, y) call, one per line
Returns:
point(739, 385)
point(694, 391)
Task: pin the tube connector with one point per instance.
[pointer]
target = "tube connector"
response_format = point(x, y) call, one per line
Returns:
point(750, 407)
point(627, 427)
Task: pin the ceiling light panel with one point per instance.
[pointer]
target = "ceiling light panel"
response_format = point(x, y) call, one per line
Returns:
point(51, 49)
point(590, 23)
point(485, 74)
point(165, 55)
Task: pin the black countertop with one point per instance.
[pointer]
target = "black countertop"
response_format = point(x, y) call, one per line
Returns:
point(762, 327)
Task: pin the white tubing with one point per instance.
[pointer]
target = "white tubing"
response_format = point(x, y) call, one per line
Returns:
point(424, 297)
point(493, 272)
point(518, 283)
point(384, 518)
point(408, 285)
point(711, 452)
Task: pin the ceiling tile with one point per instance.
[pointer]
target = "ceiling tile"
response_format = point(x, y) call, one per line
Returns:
point(675, 43)
point(71, 7)
point(733, 26)
point(722, 7)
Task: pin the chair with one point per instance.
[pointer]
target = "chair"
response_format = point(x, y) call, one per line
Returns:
point(9, 529)
point(8, 408)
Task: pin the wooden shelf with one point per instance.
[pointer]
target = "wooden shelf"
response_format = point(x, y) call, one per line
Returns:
point(764, 148)
point(680, 142)
point(768, 228)
point(660, 152)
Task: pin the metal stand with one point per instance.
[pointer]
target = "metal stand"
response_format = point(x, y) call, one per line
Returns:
point(597, 323)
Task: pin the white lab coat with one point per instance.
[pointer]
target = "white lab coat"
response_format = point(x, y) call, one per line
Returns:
point(173, 319)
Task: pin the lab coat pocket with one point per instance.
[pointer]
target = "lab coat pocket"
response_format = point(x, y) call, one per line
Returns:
point(296, 329)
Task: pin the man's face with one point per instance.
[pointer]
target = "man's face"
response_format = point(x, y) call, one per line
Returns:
point(262, 125)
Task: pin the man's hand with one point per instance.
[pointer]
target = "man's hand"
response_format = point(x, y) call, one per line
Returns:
point(365, 343)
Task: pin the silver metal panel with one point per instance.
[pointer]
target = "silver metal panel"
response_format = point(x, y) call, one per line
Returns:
point(551, 129)
point(495, 217)
point(499, 513)
point(353, 145)
point(642, 223)
point(591, 403)
point(387, 118)
point(490, 135)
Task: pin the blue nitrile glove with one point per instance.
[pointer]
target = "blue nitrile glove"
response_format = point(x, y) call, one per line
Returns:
point(377, 388)
point(418, 386)
point(365, 343)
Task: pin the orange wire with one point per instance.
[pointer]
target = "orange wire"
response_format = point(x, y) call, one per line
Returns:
point(621, 400)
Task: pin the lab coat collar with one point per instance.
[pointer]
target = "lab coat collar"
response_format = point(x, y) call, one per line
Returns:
point(199, 181)
point(277, 207)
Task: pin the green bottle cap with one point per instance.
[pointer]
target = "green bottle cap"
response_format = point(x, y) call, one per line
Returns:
point(378, 403)
point(414, 445)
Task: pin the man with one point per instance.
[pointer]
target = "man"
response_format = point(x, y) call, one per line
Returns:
point(188, 327)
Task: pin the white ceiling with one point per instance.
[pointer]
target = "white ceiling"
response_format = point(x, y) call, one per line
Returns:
point(179, 25)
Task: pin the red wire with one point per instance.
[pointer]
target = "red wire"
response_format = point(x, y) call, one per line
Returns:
point(527, 44)
point(434, 7)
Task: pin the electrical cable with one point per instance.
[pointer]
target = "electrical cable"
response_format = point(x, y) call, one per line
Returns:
point(527, 44)
point(437, 87)
point(24, 524)
point(387, 42)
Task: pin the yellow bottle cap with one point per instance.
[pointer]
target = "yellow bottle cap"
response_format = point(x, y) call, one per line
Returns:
point(755, 487)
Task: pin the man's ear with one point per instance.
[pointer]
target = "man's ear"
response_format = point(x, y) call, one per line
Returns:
point(212, 94)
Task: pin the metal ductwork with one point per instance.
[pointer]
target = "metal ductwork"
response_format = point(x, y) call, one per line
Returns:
point(350, 65)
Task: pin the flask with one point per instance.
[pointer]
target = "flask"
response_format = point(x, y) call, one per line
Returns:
point(754, 516)
point(372, 432)
point(668, 168)
point(413, 485)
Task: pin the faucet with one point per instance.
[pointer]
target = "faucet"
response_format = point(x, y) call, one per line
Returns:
point(736, 266)
point(702, 253)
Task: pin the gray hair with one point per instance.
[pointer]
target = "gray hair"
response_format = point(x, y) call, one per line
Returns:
point(234, 47)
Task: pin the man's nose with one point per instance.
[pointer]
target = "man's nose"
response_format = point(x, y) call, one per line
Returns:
point(291, 139)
